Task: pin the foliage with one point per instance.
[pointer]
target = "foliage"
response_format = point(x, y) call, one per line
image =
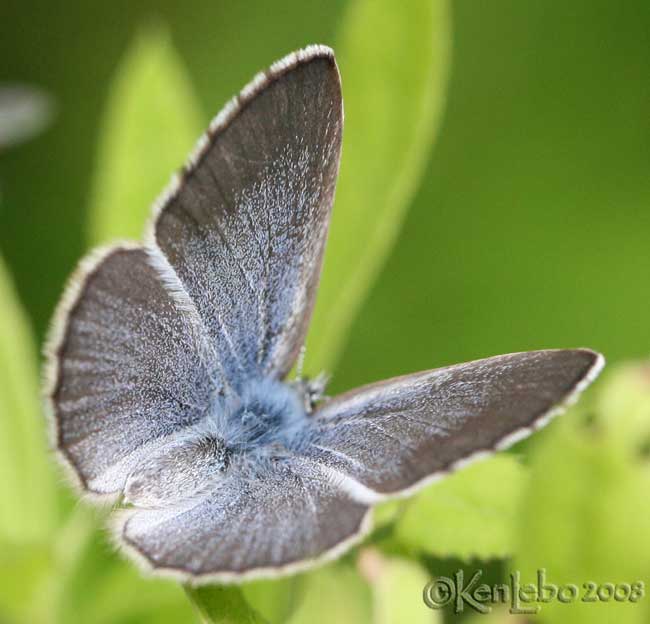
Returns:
point(587, 517)
point(474, 512)
point(575, 504)
point(388, 135)
point(151, 121)
point(26, 488)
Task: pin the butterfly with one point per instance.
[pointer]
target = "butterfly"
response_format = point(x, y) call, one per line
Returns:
point(168, 362)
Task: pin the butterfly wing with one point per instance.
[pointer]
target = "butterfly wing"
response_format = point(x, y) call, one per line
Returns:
point(130, 366)
point(244, 225)
point(391, 437)
point(143, 337)
point(278, 521)
point(365, 446)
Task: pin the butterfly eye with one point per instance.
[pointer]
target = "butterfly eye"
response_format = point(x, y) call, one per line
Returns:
point(310, 391)
point(316, 390)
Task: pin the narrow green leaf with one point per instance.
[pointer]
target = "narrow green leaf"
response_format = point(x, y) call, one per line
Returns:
point(587, 518)
point(394, 62)
point(27, 511)
point(219, 604)
point(397, 585)
point(152, 120)
point(470, 514)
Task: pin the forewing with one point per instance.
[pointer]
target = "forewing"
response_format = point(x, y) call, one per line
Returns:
point(129, 366)
point(244, 225)
point(391, 437)
point(280, 520)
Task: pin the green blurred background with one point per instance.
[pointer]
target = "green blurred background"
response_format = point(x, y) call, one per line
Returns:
point(532, 223)
point(530, 227)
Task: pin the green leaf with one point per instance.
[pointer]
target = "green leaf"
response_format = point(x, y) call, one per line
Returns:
point(151, 122)
point(622, 407)
point(28, 510)
point(472, 513)
point(394, 63)
point(397, 586)
point(587, 518)
point(388, 513)
point(336, 593)
point(275, 600)
point(24, 569)
point(219, 604)
point(88, 574)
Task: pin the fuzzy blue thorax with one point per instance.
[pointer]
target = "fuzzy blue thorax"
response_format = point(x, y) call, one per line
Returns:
point(268, 414)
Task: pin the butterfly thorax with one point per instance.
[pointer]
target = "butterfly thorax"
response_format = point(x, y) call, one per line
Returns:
point(264, 422)
point(267, 416)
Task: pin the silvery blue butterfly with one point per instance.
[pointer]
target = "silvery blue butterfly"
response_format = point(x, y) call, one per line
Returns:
point(169, 362)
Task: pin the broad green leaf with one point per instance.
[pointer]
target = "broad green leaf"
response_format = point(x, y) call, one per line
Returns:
point(151, 122)
point(394, 60)
point(223, 604)
point(587, 518)
point(387, 513)
point(27, 511)
point(275, 600)
point(622, 407)
point(397, 585)
point(24, 570)
point(88, 574)
point(336, 593)
point(472, 513)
